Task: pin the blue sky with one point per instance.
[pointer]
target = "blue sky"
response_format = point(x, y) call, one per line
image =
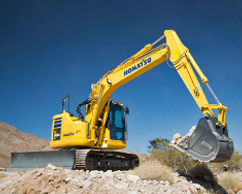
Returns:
point(51, 48)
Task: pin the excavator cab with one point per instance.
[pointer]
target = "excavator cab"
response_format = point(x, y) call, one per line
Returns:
point(207, 142)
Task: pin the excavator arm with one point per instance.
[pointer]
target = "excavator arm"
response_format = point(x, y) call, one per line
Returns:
point(210, 141)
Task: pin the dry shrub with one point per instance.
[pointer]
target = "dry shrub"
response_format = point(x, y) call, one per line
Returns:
point(161, 151)
point(153, 170)
point(228, 180)
point(143, 157)
point(202, 172)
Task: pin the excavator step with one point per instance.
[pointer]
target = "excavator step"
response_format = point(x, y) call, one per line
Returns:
point(208, 143)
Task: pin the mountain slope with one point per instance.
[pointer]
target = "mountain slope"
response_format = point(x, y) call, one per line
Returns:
point(13, 140)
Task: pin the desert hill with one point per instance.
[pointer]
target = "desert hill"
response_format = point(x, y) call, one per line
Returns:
point(13, 140)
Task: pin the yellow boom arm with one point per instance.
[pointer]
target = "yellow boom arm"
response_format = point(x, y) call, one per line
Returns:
point(144, 60)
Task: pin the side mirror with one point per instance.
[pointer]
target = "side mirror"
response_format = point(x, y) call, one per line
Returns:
point(126, 110)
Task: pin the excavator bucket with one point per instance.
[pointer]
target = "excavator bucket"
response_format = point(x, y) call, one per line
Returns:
point(209, 142)
point(24, 161)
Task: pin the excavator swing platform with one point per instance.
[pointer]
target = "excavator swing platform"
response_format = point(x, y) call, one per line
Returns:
point(97, 141)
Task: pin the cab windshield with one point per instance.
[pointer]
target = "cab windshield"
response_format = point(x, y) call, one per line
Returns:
point(116, 122)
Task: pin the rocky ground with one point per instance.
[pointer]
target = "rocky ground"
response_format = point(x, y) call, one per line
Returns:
point(57, 180)
point(52, 179)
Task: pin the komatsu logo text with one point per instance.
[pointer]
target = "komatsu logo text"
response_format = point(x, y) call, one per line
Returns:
point(137, 66)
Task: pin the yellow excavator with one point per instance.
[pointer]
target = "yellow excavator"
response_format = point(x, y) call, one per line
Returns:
point(97, 141)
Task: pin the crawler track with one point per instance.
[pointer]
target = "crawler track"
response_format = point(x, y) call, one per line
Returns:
point(99, 159)
point(87, 159)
